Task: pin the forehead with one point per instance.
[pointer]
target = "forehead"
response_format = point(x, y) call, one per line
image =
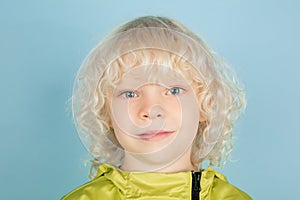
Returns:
point(153, 65)
point(152, 74)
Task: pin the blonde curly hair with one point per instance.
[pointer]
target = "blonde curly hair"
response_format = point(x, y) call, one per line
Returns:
point(163, 41)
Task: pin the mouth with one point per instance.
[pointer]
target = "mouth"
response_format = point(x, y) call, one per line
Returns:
point(155, 135)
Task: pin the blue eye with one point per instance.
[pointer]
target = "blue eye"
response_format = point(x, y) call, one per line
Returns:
point(175, 90)
point(129, 94)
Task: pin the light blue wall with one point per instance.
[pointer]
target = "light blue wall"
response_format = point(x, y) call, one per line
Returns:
point(42, 44)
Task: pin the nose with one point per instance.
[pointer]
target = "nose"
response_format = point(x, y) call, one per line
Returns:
point(152, 102)
point(153, 112)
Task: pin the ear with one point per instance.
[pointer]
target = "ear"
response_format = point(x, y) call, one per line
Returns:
point(110, 123)
point(202, 118)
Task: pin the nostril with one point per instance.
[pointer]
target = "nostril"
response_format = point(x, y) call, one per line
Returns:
point(152, 113)
point(157, 111)
point(145, 116)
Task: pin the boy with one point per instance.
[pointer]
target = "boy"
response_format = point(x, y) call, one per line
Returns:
point(151, 103)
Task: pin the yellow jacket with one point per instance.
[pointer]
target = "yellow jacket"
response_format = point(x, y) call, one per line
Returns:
point(112, 183)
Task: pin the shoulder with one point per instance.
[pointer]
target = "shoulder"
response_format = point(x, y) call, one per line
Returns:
point(214, 185)
point(100, 187)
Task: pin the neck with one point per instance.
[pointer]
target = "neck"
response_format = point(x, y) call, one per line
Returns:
point(134, 162)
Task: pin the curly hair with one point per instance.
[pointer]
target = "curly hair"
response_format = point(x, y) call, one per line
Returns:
point(160, 40)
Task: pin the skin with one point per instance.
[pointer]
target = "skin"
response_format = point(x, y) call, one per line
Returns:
point(155, 121)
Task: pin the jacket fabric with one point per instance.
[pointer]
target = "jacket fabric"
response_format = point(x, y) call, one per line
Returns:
point(113, 183)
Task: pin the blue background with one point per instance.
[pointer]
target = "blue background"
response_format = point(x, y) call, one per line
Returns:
point(42, 44)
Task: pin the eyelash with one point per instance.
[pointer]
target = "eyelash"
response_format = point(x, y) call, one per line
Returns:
point(124, 94)
point(180, 90)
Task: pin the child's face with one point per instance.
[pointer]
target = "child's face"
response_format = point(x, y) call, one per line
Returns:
point(160, 115)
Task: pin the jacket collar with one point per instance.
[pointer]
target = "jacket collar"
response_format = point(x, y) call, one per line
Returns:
point(141, 184)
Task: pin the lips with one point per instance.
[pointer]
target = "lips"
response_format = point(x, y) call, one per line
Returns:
point(154, 135)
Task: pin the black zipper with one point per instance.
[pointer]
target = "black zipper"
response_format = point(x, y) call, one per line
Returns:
point(196, 188)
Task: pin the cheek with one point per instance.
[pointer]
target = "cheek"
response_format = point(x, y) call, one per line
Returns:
point(174, 111)
point(124, 117)
point(190, 115)
point(119, 111)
